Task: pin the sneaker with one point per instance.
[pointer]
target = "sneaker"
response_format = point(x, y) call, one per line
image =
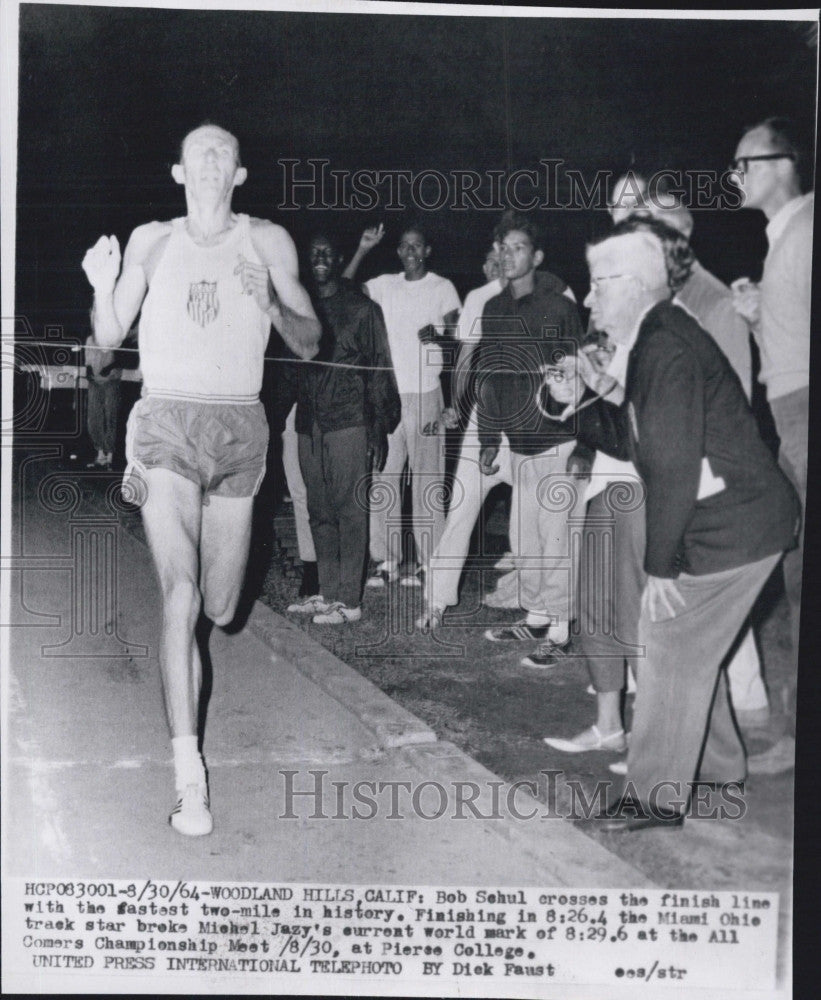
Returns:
point(546, 655)
point(590, 739)
point(313, 605)
point(191, 816)
point(411, 580)
point(522, 632)
point(431, 619)
point(384, 574)
point(337, 614)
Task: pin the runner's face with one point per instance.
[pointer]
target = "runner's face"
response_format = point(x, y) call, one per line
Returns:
point(323, 260)
point(210, 161)
point(413, 252)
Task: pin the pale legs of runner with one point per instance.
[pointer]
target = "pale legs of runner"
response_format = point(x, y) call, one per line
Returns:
point(470, 490)
point(200, 551)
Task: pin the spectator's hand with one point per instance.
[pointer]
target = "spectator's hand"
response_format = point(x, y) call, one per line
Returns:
point(450, 418)
point(564, 382)
point(579, 466)
point(747, 300)
point(658, 597)
point(487, 461)
point(427, 335)
point(371, 237)
point(591, 364)
point(377, 449)
point(256, 281)
point(102, 265)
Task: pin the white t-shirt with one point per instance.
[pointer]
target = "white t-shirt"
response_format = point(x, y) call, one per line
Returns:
point(408, 306)
point(470, 320)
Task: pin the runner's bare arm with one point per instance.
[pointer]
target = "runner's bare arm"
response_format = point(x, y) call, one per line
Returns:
point(290, 310)
point(118, 295)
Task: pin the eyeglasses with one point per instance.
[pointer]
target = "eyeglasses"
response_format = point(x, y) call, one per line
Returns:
point(742, 163)
point(595, 283)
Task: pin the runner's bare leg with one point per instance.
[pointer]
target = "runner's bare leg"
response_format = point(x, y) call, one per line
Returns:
point(172, 518)
point(224, 542)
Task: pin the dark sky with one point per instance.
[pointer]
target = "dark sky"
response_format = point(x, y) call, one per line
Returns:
point(107, 93)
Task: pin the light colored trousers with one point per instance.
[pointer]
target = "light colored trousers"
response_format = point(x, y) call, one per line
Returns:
point(419, 441)
point(548, 505)
point(470, 490)
point(682, 726)
point(296, 488)
point(610, 599)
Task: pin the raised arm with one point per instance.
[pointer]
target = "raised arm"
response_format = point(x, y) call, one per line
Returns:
point(367, 242)
point(285, 300)
point(118, 295)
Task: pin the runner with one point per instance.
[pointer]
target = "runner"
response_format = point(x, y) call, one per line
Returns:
point(209, 285)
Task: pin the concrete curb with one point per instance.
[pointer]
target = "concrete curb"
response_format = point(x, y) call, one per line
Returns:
point(393, 725)
point(581, 859)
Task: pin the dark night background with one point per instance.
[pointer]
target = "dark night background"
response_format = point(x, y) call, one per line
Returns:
point(106, 94)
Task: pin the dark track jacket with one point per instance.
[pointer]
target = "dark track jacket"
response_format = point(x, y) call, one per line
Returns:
point(353, 332)
point(519, 337)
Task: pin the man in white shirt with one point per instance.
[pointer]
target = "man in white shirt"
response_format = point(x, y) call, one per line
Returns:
point(418, 305)
point(769, 165)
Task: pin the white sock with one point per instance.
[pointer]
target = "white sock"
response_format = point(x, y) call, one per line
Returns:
point(188, 766)
point(559, 632)
point(538, 619)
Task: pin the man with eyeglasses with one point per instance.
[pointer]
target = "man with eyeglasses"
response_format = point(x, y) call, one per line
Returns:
point(769, 162)
point(719, 513)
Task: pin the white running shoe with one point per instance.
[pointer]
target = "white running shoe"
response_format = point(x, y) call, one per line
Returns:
point(337, 614)
point(431, 619)
point(191, 816)
point(384, 574)
point(313, 605)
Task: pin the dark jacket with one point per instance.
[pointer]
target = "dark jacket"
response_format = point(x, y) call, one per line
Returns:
point(353, 333)
point(684, 403)
point(519, 337)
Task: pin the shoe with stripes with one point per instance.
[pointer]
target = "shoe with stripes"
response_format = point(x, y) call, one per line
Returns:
point(191, 816)
point(337, 614)
point(546, 655)
point(313, 605)
point(517, 632)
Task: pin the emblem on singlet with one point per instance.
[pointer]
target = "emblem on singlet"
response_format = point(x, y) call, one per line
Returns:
point(203, 304)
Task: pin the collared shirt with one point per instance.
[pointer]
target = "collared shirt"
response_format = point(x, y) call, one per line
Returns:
point(778, 223)
point(786, 284)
